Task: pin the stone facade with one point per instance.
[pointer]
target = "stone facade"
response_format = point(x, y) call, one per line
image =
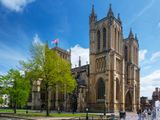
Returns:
point(114, 72)
point(81, 74)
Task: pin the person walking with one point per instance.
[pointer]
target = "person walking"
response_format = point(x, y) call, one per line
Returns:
point(149, 114)
point(139, 114)
point(153, 114)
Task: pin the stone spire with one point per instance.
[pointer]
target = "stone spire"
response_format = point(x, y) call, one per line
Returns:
point(93, 13)
point(119, 19)
point(110, 12)
point(131, 34)
point(93, 16)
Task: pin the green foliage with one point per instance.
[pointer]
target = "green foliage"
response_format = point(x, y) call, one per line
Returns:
point(1, 100)
point(58, 71)
point(50, 67)
point(47, 65)
point(16, 86)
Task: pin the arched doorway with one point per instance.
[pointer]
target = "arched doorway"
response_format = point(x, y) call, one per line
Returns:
point(100, 89)
point(128, 101)
point(118, 91)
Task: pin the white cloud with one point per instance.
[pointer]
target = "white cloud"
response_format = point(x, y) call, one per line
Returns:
point(142, 54)
point(2, 73)
point(36, 39)
point(149, 82)
point(15, 5)
point(155, 56)
point(147, 67)
point(77, 51)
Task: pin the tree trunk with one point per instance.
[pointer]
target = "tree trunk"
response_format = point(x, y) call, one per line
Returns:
point(15, 107)
point(47, 102)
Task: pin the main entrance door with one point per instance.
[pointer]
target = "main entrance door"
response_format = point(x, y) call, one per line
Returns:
point(128, 102)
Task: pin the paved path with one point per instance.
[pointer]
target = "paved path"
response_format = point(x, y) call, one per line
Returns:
point(134, 116)
point(4, 118)
point(129, 116)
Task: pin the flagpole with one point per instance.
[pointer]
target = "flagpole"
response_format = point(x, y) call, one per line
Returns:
point(92, 2)
point(56, 44)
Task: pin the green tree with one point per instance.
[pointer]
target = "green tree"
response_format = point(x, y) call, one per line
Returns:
point(17, 87)
point(51, 68)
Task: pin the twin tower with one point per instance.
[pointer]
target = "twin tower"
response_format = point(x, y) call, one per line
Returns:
point(114, 81)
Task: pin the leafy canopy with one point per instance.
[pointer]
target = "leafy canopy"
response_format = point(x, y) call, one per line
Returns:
point(47, 65)
point(16, 86)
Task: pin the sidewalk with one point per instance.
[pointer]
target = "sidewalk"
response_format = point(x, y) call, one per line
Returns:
point(99, 116)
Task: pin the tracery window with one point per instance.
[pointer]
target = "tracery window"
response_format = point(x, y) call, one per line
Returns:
point(104, 38)
point(101, 89)
point(98, 39)
point(115, 37)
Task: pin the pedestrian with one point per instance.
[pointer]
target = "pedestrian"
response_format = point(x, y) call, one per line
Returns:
point(143, 115)
point(153, 114)
point(149, 114)
point(122, 115)
point(58, 109)
point(42, 107)
point(139, 114)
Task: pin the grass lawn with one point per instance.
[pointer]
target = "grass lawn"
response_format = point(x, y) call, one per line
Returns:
point(31, 113)
point(11, 111)
point(56, 114)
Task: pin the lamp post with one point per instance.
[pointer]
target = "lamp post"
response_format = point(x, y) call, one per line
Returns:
point(104, 104)
point(86, 113)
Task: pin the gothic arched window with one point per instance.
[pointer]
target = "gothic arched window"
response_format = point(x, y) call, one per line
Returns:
point(126, 53)
point(101, 89)
point(98, 39)
point(117, 89)
point(115, 37)
point(104, 37)
point(118, 41)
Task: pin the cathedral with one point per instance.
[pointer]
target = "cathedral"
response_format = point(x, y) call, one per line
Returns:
point(113, 71)
point(111, 80)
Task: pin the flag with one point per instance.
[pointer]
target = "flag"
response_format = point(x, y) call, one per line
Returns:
point(55, 41)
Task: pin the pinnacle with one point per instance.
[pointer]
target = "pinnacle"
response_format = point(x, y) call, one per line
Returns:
point(110, 12)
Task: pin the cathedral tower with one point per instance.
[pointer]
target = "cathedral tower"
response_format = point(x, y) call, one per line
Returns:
point(108, 67)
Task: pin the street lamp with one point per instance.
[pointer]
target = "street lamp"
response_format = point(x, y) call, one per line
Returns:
point(86, 113)
point(104, 104)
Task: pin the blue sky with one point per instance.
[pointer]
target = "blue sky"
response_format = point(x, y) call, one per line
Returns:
point(25, 21)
